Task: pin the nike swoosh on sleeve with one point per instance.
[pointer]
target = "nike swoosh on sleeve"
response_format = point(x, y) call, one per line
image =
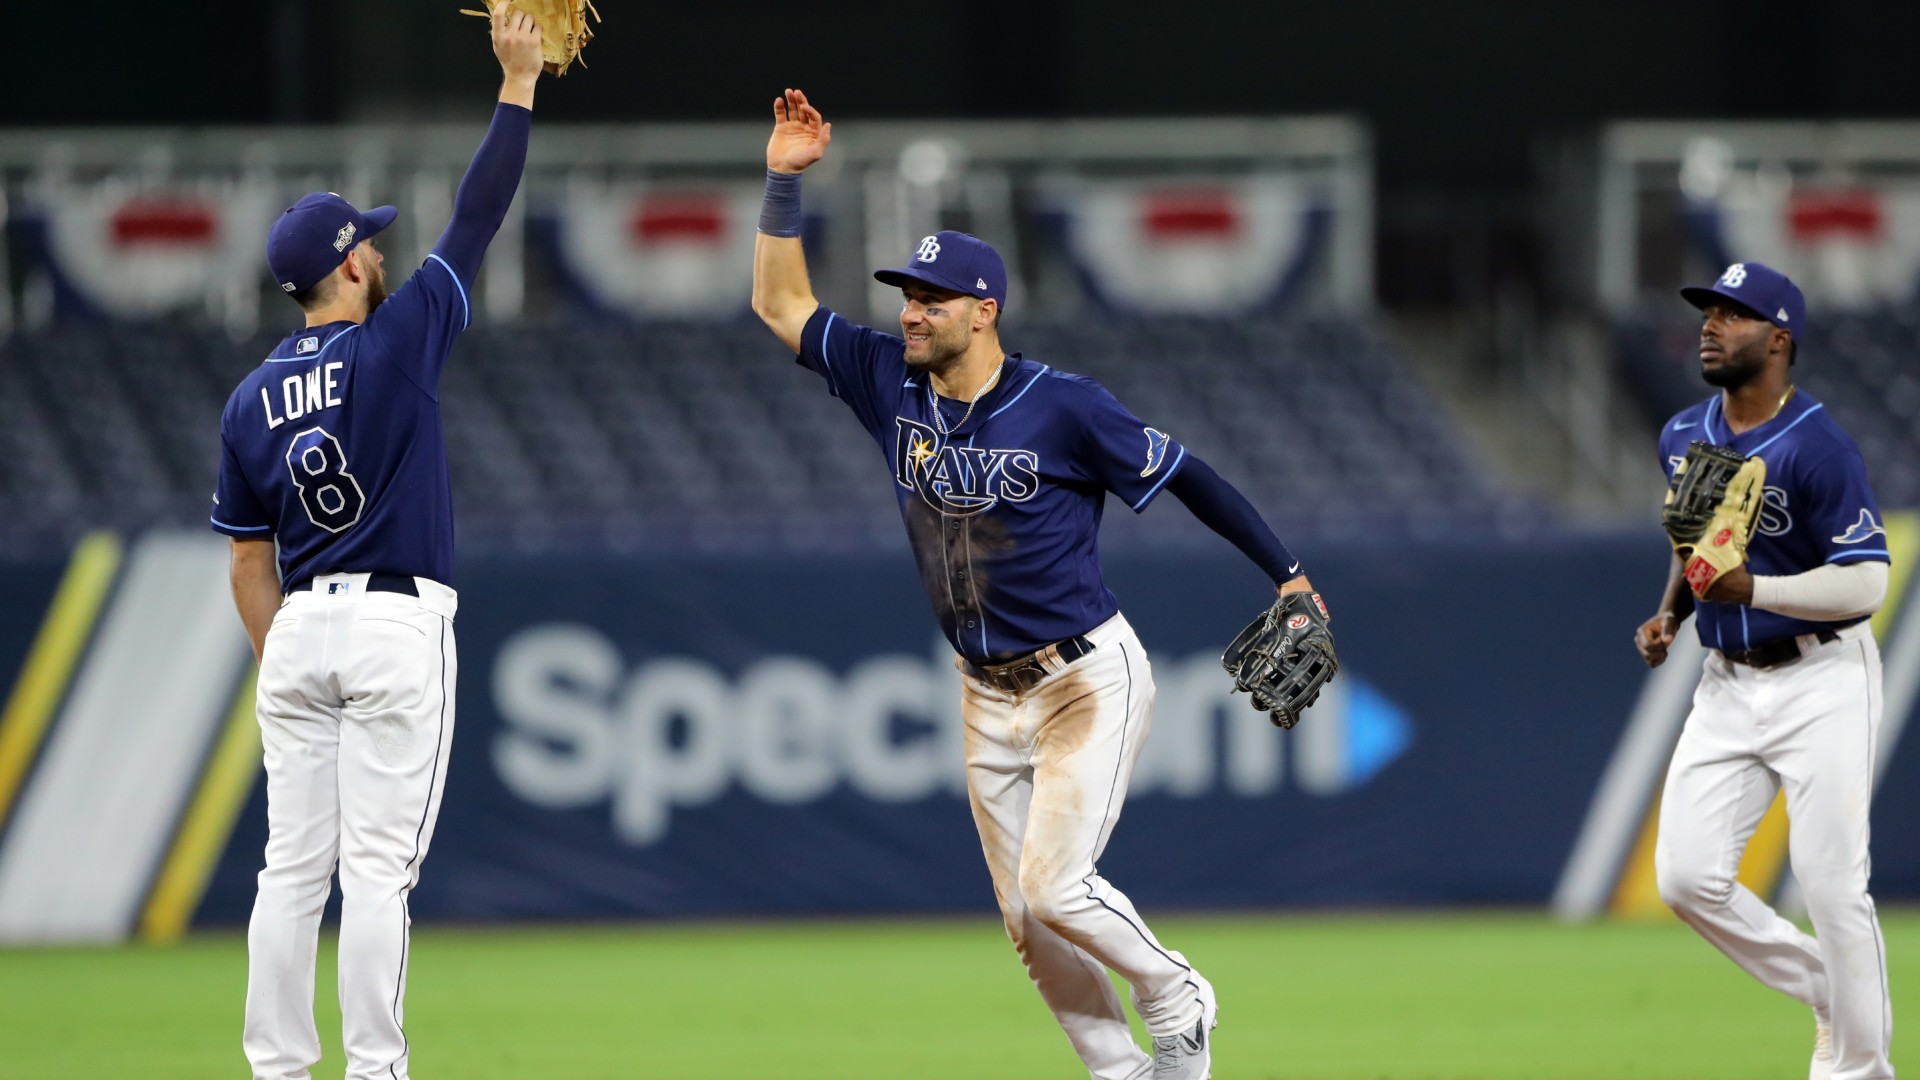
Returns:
point(1678, 426)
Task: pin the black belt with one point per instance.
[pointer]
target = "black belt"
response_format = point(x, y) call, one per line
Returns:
point(1023, 674)
point(381, 581)
point(1776, 653)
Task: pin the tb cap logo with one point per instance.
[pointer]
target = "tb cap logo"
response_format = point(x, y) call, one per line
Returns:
point(1735, 276)
point(929, 250)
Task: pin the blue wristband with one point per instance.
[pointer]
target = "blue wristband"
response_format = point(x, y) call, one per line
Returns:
point(780, 213)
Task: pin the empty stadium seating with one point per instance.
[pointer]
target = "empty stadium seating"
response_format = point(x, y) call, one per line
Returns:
point(704, 437)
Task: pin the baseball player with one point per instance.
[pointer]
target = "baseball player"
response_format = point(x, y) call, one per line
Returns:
point(1790, 696)
point(1002, 466)
point(332, 451)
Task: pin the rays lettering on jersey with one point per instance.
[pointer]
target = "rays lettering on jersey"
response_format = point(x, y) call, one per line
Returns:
point(960, 480)
point(1775, 518)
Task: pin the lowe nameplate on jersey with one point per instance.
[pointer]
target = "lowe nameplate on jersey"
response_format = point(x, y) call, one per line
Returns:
point(582, 727)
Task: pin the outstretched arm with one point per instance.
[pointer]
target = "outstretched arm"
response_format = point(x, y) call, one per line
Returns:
point(782, 294)
point(487, 190)
point(1221, 507)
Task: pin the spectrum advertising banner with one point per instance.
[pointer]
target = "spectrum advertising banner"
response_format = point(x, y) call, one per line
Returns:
point(728, 738)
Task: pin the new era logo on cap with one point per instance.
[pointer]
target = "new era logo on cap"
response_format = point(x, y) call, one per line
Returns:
point(1755, 287)
point(956, 262)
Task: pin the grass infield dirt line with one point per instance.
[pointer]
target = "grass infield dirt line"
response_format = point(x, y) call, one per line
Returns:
point(1443, 997)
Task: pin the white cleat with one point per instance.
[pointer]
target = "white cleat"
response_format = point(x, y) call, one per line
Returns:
point(1188, 1055)
point(1821, 1067)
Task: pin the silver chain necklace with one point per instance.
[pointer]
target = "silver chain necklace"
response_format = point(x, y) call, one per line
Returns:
point(940, 419)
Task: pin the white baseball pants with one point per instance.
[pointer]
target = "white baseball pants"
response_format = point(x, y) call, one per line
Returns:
point(1047, 774)
point(1808, 726)
point(356, 714)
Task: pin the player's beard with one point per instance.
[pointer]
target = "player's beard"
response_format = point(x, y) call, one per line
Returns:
point(1737, 367)
point(376, 289)
point(944, 349)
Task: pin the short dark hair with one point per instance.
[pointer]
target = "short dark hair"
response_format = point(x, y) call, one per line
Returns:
point(316, 295)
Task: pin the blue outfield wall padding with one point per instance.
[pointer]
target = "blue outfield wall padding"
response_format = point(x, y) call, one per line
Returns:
point(727, 737)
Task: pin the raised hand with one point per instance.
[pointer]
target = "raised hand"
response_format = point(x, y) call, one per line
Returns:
point(799, 137)
point(516, 43)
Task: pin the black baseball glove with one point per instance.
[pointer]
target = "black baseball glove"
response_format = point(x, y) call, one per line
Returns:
point(1698, 489)
point(1284, 657)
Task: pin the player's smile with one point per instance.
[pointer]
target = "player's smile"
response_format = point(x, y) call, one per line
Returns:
point(929, 324)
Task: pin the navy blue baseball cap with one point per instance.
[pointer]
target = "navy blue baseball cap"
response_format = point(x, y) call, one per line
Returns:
point(314, 236)
point(1760, 289)
point(955, 261)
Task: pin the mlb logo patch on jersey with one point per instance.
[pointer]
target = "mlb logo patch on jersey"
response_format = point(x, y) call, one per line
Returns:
point(306, 345)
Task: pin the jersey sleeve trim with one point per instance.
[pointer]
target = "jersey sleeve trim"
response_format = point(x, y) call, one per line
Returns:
point(826, 330)
point(1883, 553)
point(1178, 460)
point(226, 528)
point(466, 310)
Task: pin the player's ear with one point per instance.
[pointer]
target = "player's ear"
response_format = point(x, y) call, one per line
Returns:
point(985, 313)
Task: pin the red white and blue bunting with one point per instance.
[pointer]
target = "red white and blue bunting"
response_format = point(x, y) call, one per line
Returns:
point(1205, 247)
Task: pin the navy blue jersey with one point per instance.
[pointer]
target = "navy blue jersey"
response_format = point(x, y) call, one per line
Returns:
point(333, 446)
point(1819, 508)
point(1004, 510)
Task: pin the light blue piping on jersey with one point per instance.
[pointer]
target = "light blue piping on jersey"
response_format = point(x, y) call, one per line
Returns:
point(1838, 555)
point(466, 309)
point(241, 528)
point(1171, 469)
point(1746, 639)
point(315, 356)
point(1789, 427)
point(1023, 391)
point(824, 331)
point(1713, 405)
point(973, 582)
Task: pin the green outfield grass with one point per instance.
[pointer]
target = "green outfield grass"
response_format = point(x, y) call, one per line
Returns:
point(1461, 997)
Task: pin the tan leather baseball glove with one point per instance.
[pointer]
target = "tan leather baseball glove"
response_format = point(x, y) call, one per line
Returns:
point(563, 27)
